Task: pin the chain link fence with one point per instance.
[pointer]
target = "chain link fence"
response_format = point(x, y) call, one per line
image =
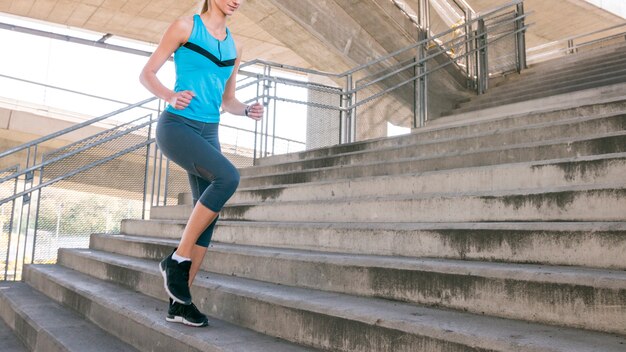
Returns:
point(102, 181)
point(323, 125)
point(8, 250)
point(502, 47)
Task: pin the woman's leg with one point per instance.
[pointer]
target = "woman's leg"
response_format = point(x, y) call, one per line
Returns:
point(197, 256)
point(198, 185)
point(201, 217)
point(195, 147)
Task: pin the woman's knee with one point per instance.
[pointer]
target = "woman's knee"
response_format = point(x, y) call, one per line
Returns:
point(231, 181)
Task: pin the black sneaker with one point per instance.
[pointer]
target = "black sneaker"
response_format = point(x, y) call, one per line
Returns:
point(186, 314)
point(176, 279)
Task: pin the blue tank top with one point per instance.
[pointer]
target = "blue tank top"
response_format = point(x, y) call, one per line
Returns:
point(203, 65)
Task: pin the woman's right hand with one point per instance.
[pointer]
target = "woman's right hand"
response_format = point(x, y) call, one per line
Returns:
point(181, 100)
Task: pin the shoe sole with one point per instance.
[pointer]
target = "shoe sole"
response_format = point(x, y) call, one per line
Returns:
point(184, 321)
point(167, 290)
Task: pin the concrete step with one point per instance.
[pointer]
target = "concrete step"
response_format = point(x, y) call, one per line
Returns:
point(553, 80)
point(139, 319)
point(583, 59)
point(608, 168)
point(530, 94)
point(44, 325)
point(543, 132)
point(339, 322)
point(577, 203)
point(8, 340)
point(573, 62)
point(589, 244)
point(586, 60)
point(563, 101)
point(547, 85)
point(522, 292)
point(462, 129)
point(388, 162)
point(609, 62)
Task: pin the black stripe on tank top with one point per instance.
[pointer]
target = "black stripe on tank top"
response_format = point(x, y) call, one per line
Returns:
point(208, 55)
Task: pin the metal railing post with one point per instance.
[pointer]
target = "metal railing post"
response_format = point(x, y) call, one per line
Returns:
point(11, 219)
point(147, 169)
point(571, 47)
point(354, 114)
point(468, 47)
point(266, 103)
point(415, 97)
point(345, 123)
point(421, 82)
point(37, 214)
point(343, 102)
point(275, 96)
point(167, 179)
point(483, 64)
point(351, 116)
point(256, 126)
point(521, 38)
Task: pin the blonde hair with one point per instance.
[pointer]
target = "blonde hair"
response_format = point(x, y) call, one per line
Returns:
point(206, 6)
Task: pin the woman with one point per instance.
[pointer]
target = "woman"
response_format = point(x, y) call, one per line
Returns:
point(207, 59)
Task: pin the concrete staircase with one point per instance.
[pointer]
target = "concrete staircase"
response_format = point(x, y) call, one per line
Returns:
point(506, 233)
point(600, 67)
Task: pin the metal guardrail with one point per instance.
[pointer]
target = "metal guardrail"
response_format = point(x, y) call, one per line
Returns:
point(573, 44)
point(86, 166)
point(136, 172)
point(409, 67)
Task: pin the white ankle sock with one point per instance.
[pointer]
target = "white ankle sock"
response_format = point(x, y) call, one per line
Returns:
point(178, 258)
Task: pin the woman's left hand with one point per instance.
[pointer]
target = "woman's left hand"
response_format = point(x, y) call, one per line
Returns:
point(255, 111)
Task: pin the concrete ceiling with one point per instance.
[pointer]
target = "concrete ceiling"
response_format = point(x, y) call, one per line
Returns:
point(330, 35)
point(557, 19)
point(146, 20)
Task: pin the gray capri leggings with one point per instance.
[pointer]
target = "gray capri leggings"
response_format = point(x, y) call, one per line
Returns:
point(195, 147)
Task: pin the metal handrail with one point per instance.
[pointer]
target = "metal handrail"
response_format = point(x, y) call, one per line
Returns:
point(418, 76)
point(74, 128)
point(384, 57)
point(499, 8)
point(596, 41)
point(310, 71)
point(74, 152)
point(539, 53)
point(95, 136)
point(78, 170)
point(288, 67)
point(426, 58)
point(348, 108)
point(465, 4)
point(68, 90)
point(9, 169)
point(553, 43)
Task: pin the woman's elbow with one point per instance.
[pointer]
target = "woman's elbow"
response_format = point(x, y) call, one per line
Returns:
point(142, 77)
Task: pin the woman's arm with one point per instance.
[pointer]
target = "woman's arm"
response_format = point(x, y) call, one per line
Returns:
point(230, 103)
point(176, 35)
